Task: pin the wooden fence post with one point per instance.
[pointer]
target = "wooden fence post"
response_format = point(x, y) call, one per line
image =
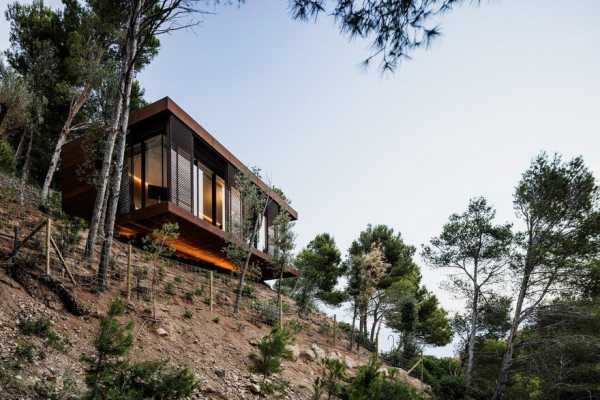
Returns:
point(422, 366)
point(48, 236)
point(334, 329)
point(129, 272)
point(210, 299)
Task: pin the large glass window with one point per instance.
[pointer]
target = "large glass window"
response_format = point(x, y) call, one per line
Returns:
point(136, 176)
point(220, 202)
point(153, 167)
point(146, 162)
point(207, 195)
point(236, 212)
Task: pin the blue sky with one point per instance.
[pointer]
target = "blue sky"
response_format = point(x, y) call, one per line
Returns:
point(349, 146)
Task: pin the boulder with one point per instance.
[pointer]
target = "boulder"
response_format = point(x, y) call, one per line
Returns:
point(162, 332)
point(319, 353)
point(294, 351)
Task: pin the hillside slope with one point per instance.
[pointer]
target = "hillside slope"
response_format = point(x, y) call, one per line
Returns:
point(215, 345)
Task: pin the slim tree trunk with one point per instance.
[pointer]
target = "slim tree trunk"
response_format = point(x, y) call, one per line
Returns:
point(74, 109)
point(109, 145)
point(26, 168)
point(131, 52)
point(474, 326)
point(21, 146)
point(510, 342)
point(238, 296)
point(353, 327)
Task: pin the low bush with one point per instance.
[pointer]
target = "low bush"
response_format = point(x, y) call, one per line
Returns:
point(272, 351)
point(187, 314)
point(7, 157)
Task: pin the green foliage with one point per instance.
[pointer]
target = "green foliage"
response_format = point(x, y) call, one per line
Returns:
point(111, 376)
point(187, 314)
point(268, 311)
point(69, 233)
point(189, 296)
point(333, 373)
point(319, 265)
point(35, 327)
point(216, 319)
point(395, 27)
point(272, 351)
point(178, 280)
point(371, 384)
point(198, 291)
point(249, 291)
point(7, 157)
point(24, 353)
point(170, 288)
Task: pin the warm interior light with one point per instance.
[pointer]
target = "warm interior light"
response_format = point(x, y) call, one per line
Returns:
point(203, 255)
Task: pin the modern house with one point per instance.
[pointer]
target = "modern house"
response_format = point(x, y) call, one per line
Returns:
point(175, 171)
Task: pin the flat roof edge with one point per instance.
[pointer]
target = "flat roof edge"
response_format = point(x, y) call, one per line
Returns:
point(167, 104)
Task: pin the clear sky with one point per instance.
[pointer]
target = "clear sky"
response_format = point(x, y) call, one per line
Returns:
point(350, 147)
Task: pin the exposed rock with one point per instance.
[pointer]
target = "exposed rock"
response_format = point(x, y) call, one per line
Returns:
point(162, 332)
point(294, 350)
point(254, 388)
point(318, 352)
point(220, 372)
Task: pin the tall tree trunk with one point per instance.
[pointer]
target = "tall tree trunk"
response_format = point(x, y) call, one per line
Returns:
point(240, 289)
point(474, 326)
point(376, 318)
point(21, 146)
point(74, 109)
point(25, 170)
point(111, 213)
point(353, 327)
point(104, 177)
point(510, 342)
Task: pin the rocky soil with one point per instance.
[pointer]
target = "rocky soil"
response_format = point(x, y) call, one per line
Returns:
point(215, 345)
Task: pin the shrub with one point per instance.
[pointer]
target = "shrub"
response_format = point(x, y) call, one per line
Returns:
point(7, 157)
point(248, 291)
point(331, 379)
point(216, 320)
point(268, 311)
point(272, 351)
point(110, 376)
point(450, 388)
point(35, 327)
point(178, 280)
point(24, 352)
point(189, 296)
point(187, 314)
point(69, 234)
point(371, 384)
point(198, 291)
point(169, 288)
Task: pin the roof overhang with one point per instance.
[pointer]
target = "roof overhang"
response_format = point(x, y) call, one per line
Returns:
point(167, 104)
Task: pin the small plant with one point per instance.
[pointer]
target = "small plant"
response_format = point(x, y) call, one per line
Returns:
point(198, 291)
point(272, 351)
point(35, 327)
point(187, 314)
point(216, 319)
point(7, 157)
point(295, 326)
point(331, 379)
point(169, 288)
point(178, 280)
point(24, 353)
point(69, 233)
point(111, 375)
point(248, 291)
point(189, 296)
